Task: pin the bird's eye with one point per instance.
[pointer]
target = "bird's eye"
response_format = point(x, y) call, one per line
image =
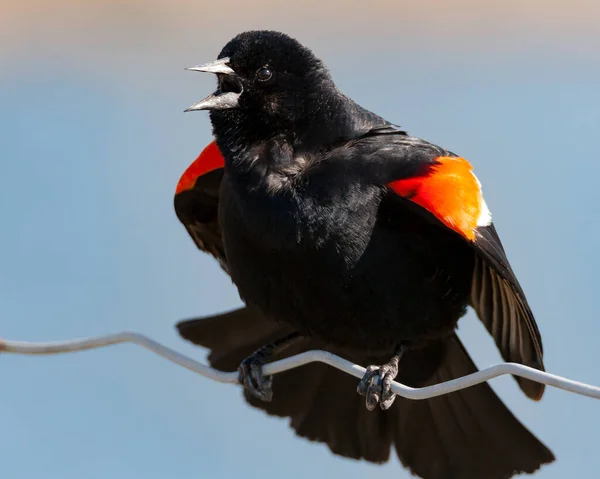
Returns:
point(264, 74)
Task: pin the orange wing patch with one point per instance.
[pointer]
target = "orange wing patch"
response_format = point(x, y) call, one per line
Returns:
point(210, 159)
point(451, 192)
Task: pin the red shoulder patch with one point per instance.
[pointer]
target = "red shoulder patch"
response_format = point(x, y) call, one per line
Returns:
point(209, 160)
point(451, 192)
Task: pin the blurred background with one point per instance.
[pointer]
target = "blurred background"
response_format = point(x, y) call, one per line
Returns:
point(94, 139)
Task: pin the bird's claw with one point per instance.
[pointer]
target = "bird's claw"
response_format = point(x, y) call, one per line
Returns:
point(376, 385)
point(251, 376)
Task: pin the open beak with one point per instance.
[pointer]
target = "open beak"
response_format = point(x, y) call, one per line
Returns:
point(220, 99)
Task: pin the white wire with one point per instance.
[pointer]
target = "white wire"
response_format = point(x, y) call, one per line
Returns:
point(21, 347)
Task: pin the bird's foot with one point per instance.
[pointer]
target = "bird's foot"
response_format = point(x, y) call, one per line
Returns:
point(376, 384)
point(250, 374)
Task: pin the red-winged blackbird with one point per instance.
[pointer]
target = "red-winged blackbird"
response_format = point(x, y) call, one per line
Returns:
point(342, 232)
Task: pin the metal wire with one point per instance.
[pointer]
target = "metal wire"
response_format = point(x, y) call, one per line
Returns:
point(30, 348)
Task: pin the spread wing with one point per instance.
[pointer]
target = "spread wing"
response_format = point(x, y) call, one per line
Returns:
point(446, 187)
point(500, 303)
point(197, 201)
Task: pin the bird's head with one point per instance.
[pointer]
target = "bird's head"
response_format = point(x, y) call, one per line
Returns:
point(268, 83)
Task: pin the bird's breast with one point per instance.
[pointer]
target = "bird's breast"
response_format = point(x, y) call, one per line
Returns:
point(335, 264)
point(307, 218)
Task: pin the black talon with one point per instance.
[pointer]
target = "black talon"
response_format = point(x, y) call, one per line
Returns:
point(250, 372)
point(376, 384)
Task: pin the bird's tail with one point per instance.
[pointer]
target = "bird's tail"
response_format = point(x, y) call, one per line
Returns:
point(466, 434)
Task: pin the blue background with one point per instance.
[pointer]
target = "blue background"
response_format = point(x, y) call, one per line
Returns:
point(94, 140)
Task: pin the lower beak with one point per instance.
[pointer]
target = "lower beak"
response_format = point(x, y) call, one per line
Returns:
point(217, 101)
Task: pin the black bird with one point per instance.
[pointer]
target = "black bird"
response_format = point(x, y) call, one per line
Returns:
point(344, 233)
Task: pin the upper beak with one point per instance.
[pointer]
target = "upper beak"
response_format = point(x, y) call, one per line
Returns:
point(218, 66)
point(218, 100)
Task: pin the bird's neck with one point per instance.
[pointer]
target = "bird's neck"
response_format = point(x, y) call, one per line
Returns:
point(327, 119)
point(334, 119)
